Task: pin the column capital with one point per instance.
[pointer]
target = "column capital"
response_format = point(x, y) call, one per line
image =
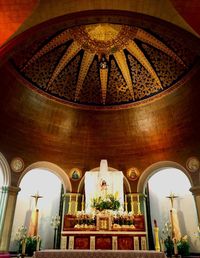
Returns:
point(10, 189)
point(195, 190)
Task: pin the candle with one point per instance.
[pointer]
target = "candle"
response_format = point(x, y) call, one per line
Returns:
point(69, 208)
point(132, 205)
point(76, 203)
point(175, 247)
point(138, 205)
point(125, 198)
point(162, 245)
point(156, 235)
point(83, 198)
point(23, 246)
point(38, 244)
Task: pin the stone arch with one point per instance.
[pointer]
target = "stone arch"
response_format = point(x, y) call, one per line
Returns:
point(6, 170)
point(154, 168)
point(55, 169)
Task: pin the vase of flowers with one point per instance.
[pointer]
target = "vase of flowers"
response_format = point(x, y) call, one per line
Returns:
point(183, 246)
point(167, 239)
point(27, 244)
point(109, 202)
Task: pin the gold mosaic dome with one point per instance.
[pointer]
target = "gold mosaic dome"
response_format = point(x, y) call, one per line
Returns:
point(104, 64)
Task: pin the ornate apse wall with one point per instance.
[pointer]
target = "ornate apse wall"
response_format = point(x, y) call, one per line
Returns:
point(64, 110)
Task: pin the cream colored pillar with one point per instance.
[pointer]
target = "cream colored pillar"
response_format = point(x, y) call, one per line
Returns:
point(8, 203)
point(196, 192)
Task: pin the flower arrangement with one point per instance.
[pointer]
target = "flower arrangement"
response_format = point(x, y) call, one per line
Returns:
point(26, 244)
point(198, 232)
point(109, 202)
point(167, 239)
point(183, 246)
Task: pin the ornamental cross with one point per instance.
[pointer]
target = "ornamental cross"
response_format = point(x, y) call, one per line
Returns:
point(172, 197)
point(36, 197)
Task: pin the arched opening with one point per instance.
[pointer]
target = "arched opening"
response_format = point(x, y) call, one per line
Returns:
point(4, 184)
point(159, 182)
point(49, 185)
point(4, 171)
point(54, 169)
point(1, 177)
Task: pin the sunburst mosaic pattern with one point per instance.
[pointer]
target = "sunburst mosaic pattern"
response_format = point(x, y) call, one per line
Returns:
point(103, 64)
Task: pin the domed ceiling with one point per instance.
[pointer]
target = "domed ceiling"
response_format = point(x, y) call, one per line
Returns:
point(104, 64)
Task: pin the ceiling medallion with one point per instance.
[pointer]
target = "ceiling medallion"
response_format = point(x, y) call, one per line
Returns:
point(75, 174)
point(133, 173)
point(193, 164)
point(17, 164)
point(103, 38)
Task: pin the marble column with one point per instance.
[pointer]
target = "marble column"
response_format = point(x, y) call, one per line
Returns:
point(196, 192)
point(7, 207)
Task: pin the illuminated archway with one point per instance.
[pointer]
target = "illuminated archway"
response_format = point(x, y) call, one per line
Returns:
point(54, 169)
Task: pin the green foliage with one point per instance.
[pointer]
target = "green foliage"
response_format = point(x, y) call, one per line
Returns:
point(110, 202)
point(31, 244)
point(169, 244)
point(183, 246)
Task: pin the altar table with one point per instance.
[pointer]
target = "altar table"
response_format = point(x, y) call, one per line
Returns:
point(97, 254)
point(103, 240)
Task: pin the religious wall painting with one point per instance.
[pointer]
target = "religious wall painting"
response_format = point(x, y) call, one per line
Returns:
point(133, 173)
point(75, 174)
point(193, 164)
point(17, 164)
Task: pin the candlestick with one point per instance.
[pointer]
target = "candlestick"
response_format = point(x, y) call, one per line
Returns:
point(162, 245)
point(132, 205)
point(138, 205)
point(175, 247)
point(156, 235)
point(126, 203)
point(76, 203)
point(38, 243)
point(70, 202)
point(23, 246)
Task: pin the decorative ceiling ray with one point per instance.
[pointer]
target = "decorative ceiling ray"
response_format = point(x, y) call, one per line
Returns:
point(73, 49)
point(85, 64)
point(104, 82)
point(104, 42)
point(135, 51)
point(121, 61)
point(55, 42)
point(150, 39)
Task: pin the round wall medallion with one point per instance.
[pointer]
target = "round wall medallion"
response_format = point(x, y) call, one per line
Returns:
point(17, 164)
point(133, 173)
point(193, 164)
point(75, 174)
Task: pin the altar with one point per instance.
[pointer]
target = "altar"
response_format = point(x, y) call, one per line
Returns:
point(97, 254)
point(105, 217)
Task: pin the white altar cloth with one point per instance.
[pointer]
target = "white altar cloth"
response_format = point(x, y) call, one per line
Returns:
point(97, 254)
